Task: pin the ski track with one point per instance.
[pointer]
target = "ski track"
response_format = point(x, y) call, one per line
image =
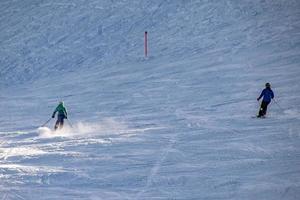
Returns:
point(154, 170)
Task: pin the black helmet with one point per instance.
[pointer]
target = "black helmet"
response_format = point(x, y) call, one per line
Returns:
point(268, 85)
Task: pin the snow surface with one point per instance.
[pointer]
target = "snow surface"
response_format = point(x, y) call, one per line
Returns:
point(175, 125)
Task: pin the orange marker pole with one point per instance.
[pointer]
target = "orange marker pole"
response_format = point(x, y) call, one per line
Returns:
point(146, 43)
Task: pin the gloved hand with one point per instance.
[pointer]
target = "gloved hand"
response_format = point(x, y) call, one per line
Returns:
point(66, 117)
point(53, 116)
point(257, 99)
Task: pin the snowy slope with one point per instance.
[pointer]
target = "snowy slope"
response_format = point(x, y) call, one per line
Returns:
point(176, 125)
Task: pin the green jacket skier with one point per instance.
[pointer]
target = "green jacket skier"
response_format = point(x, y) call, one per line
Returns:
point(61, 115)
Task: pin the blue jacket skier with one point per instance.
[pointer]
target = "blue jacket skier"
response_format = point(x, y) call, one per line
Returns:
point(62, 114)
point(267, 95)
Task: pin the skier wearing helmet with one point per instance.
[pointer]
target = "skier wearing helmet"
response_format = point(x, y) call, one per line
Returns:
point(61, 115)
point(267, 95)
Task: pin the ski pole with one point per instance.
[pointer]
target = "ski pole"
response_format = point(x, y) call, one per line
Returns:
point(279, 106)
point(46, 122)
point(69, 123)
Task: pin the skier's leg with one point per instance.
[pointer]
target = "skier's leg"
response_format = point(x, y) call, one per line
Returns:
point(59, 122)
point(56, 124)
point(260, 113)
point(62, 122)
point(60, 125)
point(265, 108)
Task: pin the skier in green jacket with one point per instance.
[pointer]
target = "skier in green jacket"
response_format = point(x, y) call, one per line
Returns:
point(61, 115)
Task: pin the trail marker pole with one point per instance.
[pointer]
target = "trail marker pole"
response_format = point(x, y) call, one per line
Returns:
point(146, 43)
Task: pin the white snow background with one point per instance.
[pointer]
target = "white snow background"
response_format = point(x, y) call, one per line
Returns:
point(174, 125)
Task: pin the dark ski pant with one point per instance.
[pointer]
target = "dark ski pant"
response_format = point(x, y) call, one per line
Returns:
point(263, 108)
point(59, 122)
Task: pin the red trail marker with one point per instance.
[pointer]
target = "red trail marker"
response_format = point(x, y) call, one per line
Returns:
point(146, 43)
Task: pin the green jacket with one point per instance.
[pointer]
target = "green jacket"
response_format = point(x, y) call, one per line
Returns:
point(61, 110)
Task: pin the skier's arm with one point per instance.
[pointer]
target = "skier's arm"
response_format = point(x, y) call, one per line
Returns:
point(53, 115)
point(262, 94)
point(272, 95)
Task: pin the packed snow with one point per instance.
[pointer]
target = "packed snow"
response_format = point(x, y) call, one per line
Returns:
point(177, 124)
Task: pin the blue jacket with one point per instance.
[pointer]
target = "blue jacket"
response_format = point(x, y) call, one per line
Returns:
point(268, 94)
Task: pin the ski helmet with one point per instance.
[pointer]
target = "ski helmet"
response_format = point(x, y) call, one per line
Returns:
point(268, 85)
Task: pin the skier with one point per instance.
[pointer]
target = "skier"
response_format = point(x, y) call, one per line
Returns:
point(267, 95)
point(62, 114)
